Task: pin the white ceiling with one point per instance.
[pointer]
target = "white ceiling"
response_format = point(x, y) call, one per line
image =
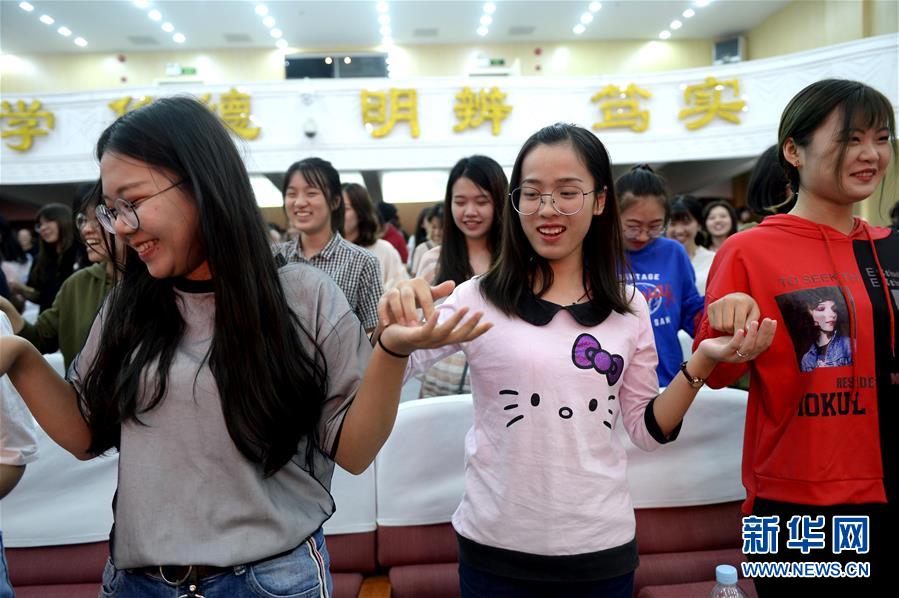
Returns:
point(119, 25)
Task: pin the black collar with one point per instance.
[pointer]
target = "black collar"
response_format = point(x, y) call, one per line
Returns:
point(193, 286)
point(540, 312)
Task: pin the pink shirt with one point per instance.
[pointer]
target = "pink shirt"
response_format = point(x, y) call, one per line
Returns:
point(544, 473)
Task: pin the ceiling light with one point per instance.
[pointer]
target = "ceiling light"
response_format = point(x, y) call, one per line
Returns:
point(276, 33)
point(47, 20)
point(665, 34)
point(168, 27)
point(386, 41)
point(382, 7)
point(281, 43)
point(579, 29)
point(64, 31)
point(486, 20)
point(586, 18)
point(26, 6)
point(595, 6)
point(675, 24)
point(179, 38)
point(261, 10)
point(155, 15)
point(269, 21)
point(490, 8)
point(384, 19)
point(328, 60)
point(347, 60)
point(141, 3)
point(688, 13)
point(482, 31)
point(385, 30)
point(80, 41)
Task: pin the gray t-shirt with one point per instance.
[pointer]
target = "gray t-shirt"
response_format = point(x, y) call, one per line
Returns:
point(186, 495)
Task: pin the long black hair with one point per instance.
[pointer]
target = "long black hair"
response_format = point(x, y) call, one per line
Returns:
point(519, 267)
point(487, 174)
point(640, 182)
point(366, 216)
point(271, 387)
point(322, 175)
point(61, 251)
point(769, 190)
point(10, 250)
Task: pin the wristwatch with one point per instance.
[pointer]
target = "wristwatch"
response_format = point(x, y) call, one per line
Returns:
point(691, 380)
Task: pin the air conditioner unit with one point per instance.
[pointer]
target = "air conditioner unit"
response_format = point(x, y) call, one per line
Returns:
point(729, 50)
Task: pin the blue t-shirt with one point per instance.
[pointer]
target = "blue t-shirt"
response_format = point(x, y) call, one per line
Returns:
point(663, 273)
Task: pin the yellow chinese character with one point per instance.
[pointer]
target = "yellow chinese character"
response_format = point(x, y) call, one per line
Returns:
point(706, 100)
point(623, 109)
point(204, 99)
point(403, 105)
point(123, 105)
point(24, 122)
point(472, 110)
point(235, 110)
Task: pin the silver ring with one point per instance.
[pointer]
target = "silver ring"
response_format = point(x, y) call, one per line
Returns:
point(743, 355)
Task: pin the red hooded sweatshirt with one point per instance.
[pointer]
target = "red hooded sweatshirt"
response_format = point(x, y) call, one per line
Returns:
point(823, 396)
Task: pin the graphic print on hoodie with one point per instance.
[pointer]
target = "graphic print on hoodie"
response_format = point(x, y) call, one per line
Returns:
point(823, 395)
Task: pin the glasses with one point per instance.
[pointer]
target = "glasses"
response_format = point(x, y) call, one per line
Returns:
point(566, 201)
point(82, 220)
point(634, 232)
point(126, 209)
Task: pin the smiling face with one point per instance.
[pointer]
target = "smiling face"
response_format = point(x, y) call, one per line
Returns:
point(824, 315)
point(307, 206)
point(556, 238)
point(867, 157)
point(25, 239)
point(718, 222)
point(683, 229)
point(168, 239)
point(472, 209)
point(92, 234)
point(48, 230)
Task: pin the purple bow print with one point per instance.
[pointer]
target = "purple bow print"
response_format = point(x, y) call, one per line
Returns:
point(587, 353)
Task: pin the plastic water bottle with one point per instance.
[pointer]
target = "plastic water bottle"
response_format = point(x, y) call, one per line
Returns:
point(727, 587)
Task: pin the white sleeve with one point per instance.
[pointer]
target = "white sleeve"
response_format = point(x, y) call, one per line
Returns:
point(18, 431)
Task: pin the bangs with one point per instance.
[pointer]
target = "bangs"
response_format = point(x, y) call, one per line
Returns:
point(868, 109)
point(317, 179)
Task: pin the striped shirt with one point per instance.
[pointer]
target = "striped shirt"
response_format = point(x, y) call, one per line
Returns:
point(356, 271)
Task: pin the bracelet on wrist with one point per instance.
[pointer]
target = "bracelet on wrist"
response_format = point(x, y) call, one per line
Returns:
point(389, 352)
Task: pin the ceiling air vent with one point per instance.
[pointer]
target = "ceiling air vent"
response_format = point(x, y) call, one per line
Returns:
point(425, 32)
point(143, 40)
point(521, 30)
point(237, 38)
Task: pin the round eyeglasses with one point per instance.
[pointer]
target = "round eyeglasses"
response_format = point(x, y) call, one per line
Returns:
point(126, 209)
point(565, 200)
point(632, 233)
point(82, 220)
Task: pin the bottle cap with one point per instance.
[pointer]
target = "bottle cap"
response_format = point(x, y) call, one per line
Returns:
point(726, 574)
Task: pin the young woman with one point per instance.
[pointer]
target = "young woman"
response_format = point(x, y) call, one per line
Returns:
point(432, 236)
point(685, 227)
point(720, 222)
point(361, 225)
point(65, 325)
point(55, 260)
point(475, 194)
point(314, 206)
point(229, 387)
point(819, 441)
point(660, 267)
point(570, 357)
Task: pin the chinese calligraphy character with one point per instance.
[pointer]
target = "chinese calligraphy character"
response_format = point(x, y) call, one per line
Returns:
point(760, 534)
point(24, 122)
point(473, 109)
point(235, 111)
point(623, 109)
point(204, 99)
point(850, 533)
point(378, 110)
point(123, 105)
point(706, 100)
point(806, 533)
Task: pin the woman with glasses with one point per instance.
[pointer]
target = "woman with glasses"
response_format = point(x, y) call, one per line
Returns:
point(660, 267)
point(475, 195)
point(228, 386)
point(64, 326)
point(55, 259)
point(569, 359)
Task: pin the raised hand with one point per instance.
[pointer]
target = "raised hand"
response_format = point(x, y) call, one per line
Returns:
point(732, 312)
point(400, 305)
point(745, 345)
point(405, 339)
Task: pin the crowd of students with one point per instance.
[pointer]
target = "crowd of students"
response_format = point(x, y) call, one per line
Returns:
point(556, 297)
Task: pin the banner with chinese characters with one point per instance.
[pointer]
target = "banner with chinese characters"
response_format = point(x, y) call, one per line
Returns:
point(729, 111)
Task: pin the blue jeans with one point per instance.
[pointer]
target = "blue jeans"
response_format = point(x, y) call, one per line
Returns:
point(475, 583)
point(5, 586)
point(303, 573)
